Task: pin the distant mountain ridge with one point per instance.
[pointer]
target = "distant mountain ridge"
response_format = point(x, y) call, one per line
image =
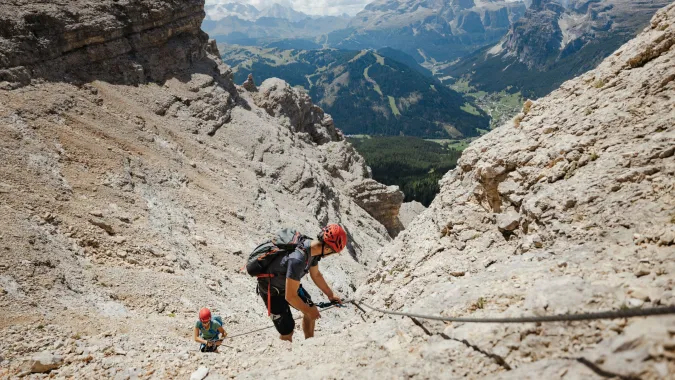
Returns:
point(217, 12)
point(243, 24)
point(366, 92)
point(429, 30)
point(287, 13)
point(555, 41)
point(434, 32)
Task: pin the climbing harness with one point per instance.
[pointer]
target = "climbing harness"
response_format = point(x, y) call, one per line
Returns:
point(269, 293)
point(301, 292)
point(613, 314)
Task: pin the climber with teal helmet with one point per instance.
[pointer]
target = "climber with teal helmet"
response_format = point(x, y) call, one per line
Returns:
point(208, 330)
point(280, 286)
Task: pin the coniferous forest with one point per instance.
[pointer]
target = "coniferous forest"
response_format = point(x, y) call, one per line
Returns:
point(413, 164)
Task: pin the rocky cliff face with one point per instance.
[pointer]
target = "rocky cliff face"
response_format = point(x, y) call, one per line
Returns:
point(381, 202)
point(535, 36)
point(133, 187)
point(279, 99)
point(569, 208)
point(553, 29)
point(430, 30)
point(300, 115)
point(118, 41)
point(409, 211)
point(553, 42)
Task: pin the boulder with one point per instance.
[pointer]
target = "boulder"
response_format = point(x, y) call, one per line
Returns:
point(408, 212)
point(199, 374)
point(380, 201)
point(102, 224)
point(249, 85)
point(508, 221)
point(44, 362)
point(279, 99)
point(200, 239)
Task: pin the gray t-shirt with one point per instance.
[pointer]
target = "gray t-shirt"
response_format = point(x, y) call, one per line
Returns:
point(294, 265)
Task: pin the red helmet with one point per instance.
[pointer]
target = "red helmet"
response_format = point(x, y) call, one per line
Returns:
point(335, 236)
point(204, 315)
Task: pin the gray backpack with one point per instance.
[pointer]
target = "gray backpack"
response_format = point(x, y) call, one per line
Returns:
point(285, 242)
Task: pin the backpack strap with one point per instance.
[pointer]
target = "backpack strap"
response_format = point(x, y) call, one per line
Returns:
point(308, 255)
point(212, 327)
point(201, 328)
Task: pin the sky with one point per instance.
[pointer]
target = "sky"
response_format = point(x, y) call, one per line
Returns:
point(312, 7)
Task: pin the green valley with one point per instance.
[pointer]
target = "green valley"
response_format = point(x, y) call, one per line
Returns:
point(501, 106)
point(366, 92)
point(413, 164)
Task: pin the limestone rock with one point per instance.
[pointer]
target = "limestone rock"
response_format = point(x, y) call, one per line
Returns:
point(279, 99)
point(381, 202)
point(249, 85)
point(102, 224)
point(98, 42)
point(509, 221)
point(342, 161)
point(200, 239)
point(634, 302)
point(200, 374)
point(583, 230)
point(642, 270)
point(409, 211)
point(44, 362)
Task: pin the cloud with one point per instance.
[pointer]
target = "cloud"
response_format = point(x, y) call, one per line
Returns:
point(312, 7)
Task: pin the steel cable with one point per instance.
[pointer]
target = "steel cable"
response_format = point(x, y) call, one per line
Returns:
point(612, 314)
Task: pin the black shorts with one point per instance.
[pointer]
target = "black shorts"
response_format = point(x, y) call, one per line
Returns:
point(281, 310)
point(206, 348)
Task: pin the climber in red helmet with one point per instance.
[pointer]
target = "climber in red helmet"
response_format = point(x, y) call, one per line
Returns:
point(208, 331)
point(284, 285)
